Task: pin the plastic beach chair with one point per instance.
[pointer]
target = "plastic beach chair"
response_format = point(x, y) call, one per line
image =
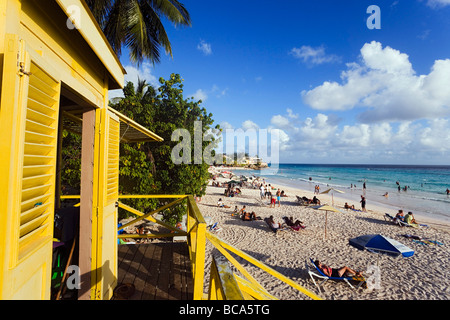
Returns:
point(314, 271)
point(392, 219)
point(401, 223)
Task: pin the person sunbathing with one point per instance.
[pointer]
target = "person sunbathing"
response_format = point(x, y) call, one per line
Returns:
point(315, 200)
point(409, 219)
point(274, 225)
point(246, 216)
point(399, 216)
point(306, 200)
point(242, 212)
point(289, 221)
point(298, 225)
point(220, 204)
point(250, 216)
point(337, 273)
point(347, 206)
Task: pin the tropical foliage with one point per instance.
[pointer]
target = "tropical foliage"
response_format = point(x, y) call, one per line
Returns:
point(137, 24)
point(148, 168)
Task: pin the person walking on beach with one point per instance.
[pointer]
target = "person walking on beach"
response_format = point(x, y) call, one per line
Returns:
point(363, 204)
point(278, 197)
point(272, 201)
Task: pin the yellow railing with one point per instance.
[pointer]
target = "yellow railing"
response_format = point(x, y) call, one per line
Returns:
point(196, 228)
point(224, 284)
point(250, 287)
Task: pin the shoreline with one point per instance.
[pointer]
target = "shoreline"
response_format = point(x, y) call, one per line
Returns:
point(353, 198)
point(376, 208)
point(417, 277)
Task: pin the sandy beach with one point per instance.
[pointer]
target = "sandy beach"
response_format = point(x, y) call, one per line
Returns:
point(424, 276)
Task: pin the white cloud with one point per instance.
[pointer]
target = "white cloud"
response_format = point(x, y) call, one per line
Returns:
point(249, 124)
point(200, 95)
point(438, 3)
point(225, 125)
point(218, 91)
point(387, 87)
point(313, 55)
point(205, 48)
point(320, 139)
point(279, 121)
point(291, 114)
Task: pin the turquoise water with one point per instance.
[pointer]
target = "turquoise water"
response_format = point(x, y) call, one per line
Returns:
point(426, 194)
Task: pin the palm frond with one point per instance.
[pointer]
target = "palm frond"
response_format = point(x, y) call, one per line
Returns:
point(173, 10)
point(137, 25)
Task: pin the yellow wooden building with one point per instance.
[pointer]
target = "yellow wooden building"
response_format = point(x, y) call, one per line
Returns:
point(56, 64)
point(56, 68)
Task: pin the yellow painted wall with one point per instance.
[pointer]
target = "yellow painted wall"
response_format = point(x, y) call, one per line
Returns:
point(39, 55)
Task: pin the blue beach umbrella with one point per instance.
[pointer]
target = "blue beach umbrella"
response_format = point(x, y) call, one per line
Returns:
point(381, 244)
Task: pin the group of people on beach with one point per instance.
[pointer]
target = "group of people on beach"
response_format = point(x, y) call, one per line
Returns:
point(266, 192)
point(245, 215)
point(316, 189)
point(288, 223)
point(407, 219)
point(352, 206)
point(231, 191)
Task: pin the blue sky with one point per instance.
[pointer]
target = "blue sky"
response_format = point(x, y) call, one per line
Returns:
point(338, 91)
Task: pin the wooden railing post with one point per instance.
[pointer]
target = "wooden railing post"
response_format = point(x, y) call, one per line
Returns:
point(199, 266)
point(196, 228)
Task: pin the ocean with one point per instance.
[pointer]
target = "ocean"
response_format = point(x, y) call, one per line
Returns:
point(426, 194)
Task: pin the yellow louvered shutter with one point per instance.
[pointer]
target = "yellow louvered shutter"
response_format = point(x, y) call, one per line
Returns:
point(29, 128)
point(39, 160)
point(106, 238)
point(112, 175)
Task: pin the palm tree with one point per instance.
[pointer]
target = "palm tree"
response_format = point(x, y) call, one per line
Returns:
point(137, 25)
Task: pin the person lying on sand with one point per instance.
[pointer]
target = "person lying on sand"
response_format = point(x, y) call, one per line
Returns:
point(297, 225)
point(220, 204)
point(250, 216)
point(273, 224)
point(315, 200)
point(306, 200)
point(347, 206)
point(340, 272)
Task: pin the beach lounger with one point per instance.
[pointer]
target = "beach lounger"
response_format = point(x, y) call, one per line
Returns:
point(314, 271)
point(388, 217)
point(302, 202)
point(214, 227)
point(273, 229)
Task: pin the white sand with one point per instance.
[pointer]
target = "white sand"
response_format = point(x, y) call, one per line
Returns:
point(422, 276)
